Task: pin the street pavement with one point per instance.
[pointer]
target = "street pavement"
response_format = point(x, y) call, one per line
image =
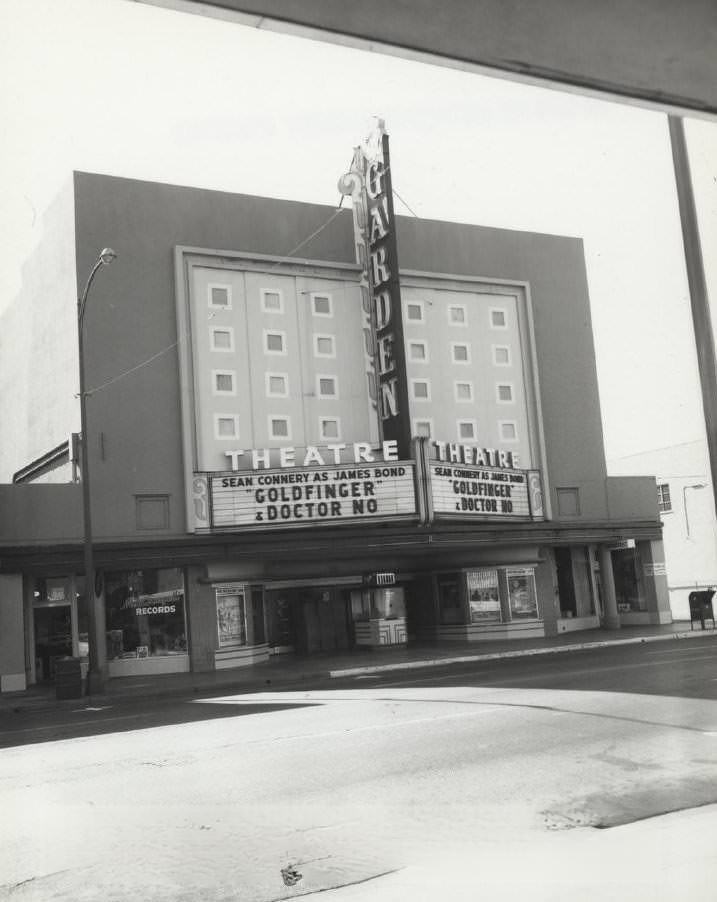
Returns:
point(378, 792)
point(588, 773)
point(291, 670)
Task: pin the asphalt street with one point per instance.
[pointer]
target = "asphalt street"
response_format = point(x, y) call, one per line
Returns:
point(679, 670)
point(587, 774)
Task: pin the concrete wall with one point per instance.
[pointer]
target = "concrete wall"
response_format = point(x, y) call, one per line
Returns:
point(40, 514)
point(12, 632)
point(202, 614)
point(690, 526)
point(632, 498)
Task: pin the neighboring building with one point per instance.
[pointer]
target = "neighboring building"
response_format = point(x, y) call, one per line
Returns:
point(244, 501)
point(687, 510)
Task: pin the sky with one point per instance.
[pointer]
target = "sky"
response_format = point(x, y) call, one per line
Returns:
point(132, 90)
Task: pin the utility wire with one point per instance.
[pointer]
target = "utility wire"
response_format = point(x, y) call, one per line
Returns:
point(176, 343)
point(132, 369)
point(412, 212)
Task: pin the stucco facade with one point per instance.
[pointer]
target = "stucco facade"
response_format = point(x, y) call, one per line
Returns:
point(164, 395)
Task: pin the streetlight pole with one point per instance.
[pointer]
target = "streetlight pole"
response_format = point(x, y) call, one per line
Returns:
point(96, 638)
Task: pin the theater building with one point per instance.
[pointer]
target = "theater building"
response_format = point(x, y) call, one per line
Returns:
point(393, 436)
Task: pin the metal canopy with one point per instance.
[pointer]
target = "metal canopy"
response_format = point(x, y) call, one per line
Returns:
point(656, 53)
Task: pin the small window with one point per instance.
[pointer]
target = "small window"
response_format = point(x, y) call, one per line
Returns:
point(277, 385)
point(508, 430)
point(280, 427)
point(226, 425)
point(418, 351)
point(664, 502)
point(274, 342)
point(222, 339)
point(423, 428)
point(329, 428)
point(467, 429)
point(223, 382)
point(414, 311)
point(504, 393)
point(501, 355)
point(220, 297)
point(457, 315)
point(272, 301)
point(327, 387)
point(321, 305)
point(324, 346)
point(463, 391)
point(421, 389)
point(461, 352)
point(498, 319)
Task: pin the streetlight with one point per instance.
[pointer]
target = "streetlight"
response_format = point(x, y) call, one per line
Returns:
point(696, 485)
point(96, 639)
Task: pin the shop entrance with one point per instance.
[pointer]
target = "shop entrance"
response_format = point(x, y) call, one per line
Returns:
point(322, 621)
point(53, 638)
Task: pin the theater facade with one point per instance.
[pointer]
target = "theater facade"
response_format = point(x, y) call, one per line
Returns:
point(393, 438)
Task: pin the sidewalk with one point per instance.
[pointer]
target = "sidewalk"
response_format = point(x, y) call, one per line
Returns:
point(300, 672)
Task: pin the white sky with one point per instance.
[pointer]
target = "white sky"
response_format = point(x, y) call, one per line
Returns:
point(132, 90)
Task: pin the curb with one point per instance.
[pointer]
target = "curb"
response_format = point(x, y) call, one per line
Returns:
point(18, 705)
point(518, 653)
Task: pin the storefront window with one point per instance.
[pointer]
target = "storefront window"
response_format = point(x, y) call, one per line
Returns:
point(52, 624)
point(145, 613)
point(388, 604)
point(231, 615)
point(449, 598)
point(483, 596)
point(521, 593)
point(360, 605)
point(627, 584)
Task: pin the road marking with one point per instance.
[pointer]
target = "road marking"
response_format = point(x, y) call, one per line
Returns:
point(670, 651)
point(711, 657)
point(78, 723)
point(560, 674)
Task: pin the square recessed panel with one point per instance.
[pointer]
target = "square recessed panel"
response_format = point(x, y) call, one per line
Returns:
point(321, 305)
point(151, 511)
point(568, 502)
point(220, 296)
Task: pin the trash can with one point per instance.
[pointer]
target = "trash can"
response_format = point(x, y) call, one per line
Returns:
point(701, 607)
point(68, 678)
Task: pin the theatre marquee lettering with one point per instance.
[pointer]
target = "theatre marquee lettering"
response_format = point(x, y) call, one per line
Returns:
point(336, 494)
point(481, 491)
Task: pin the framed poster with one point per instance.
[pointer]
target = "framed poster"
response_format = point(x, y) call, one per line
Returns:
point(483, 596)
point(231, 615)
point(521, 593)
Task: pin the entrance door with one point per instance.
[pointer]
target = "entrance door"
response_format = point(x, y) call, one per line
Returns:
point(324, 625)
point(53, 638)
point(566, 584)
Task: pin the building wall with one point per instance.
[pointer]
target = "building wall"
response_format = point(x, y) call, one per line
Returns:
point(134, 410)
point(250, 394)
point(12, 632)
point(466, 366)
point(690, 525)
point(38, 346)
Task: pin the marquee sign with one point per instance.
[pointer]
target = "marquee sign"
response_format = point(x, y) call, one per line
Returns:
point(479, 492)
point(315, 496)
point(369, 184)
